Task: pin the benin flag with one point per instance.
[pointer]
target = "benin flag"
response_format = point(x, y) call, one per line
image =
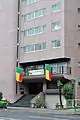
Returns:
point(48, 72)
point(19, 74)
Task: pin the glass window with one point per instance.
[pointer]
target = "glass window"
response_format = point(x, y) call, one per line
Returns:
point(34, 47)
point(55, 43)
point(56, 25)
point(30, 48)
point(37, 46)
point(56, 7)
point(40, 67)
point(62, 67)
point(25, 49)
point(44, 27)
point(35, 30)
point(65, 68)
point(59, 68)
point(43, 45)
point(28, 16)
point(35, 14)
point(54, 68)
point(25, 32)
point(31, 31)
point(29, 1)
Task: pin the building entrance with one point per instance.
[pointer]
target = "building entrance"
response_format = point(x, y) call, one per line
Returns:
point(35, 88)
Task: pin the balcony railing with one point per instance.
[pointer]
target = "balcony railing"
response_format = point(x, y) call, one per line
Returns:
point(61, 70)
point(55, 70)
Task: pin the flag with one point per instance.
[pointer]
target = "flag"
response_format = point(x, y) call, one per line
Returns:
point(59, 83)
point(19, 74)
point(48, 72)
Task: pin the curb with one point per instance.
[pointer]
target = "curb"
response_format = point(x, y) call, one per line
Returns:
point(41, 110)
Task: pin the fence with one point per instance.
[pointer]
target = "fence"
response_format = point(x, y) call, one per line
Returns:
point(74, 103)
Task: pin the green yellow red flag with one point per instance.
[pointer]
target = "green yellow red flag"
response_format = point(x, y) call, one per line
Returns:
point(48, 71)
point(19, 74)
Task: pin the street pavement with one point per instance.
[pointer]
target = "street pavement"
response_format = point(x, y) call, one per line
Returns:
point(35, 114)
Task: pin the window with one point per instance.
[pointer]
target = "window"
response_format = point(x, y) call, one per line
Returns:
point(40, 67)
point(27, 2)
point(25, 49)
point(55, 25)
point(54, 68)
point(30, 31)
point(34, 67)
point(59, 68)
point(78, 26)
point(79, 10)
point(55, 43)
point(62, 67)
point(79, 45)
point(39, 13)
point(35, 30)
point(43, 45)
point(35, 14)
point(37, 47)
point(56, 7)
point(78, 84)
point(34, 47)
point(30, 48)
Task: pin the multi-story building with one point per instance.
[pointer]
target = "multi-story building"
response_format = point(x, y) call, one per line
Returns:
point(39, 32)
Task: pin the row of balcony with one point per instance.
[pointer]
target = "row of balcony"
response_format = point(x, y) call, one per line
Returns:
point(55, 70)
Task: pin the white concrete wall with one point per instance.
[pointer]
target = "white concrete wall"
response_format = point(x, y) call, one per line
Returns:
point(8, 44)
point(51, 101)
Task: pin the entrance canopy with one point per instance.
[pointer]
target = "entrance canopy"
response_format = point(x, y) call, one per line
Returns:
point(41, 78)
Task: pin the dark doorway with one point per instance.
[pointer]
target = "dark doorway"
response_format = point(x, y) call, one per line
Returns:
point(35, 88)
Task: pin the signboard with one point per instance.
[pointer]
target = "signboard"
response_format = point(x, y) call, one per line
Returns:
point(36, 72)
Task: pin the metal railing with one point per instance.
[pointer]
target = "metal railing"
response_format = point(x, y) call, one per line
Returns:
point(57, 70)
point(61, 70)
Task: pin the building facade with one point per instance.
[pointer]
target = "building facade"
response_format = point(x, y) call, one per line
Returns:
point(39, 32)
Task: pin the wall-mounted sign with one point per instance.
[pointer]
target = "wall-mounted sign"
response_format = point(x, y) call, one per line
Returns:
point(36, 72)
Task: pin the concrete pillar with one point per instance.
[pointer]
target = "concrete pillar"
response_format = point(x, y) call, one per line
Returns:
point(26, 89)
point(44, 86)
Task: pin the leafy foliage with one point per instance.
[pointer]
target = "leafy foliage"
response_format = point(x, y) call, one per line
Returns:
point(68, 91)
point(39, 102)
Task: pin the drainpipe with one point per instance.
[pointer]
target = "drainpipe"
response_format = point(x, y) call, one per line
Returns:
point(18, 26)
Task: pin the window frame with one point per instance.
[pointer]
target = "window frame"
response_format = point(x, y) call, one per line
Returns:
point(55, 41)
point(28, 2)
point(26, 48)
point(26, 16)
point(56, 27)
point(55, 5)
point(43, 27)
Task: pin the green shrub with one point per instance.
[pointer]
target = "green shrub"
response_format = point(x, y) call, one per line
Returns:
point(39, 103)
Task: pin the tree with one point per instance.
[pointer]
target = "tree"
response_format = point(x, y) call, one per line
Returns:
point(68, 91)
point(59, 84)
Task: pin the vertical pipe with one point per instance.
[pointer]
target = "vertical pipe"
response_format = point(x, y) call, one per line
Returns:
point(17, 63)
